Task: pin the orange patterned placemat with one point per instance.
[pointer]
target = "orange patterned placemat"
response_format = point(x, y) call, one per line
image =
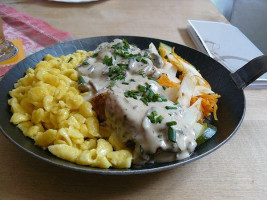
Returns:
point(35, 34)
point(18, 57)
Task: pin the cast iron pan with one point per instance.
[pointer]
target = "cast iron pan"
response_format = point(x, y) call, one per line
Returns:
point(231, 104)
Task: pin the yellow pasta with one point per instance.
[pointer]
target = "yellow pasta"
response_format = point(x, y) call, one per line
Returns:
point(120, 159)
point(98, 156)
point(48, 107)
point(64, 151)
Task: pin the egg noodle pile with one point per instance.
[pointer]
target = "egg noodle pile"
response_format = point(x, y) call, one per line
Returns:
point(48, 107)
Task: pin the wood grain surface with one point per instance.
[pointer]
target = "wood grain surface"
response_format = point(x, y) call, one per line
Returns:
point(237, 170)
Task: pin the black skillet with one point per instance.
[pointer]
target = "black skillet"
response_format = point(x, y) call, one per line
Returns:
point(231, 104)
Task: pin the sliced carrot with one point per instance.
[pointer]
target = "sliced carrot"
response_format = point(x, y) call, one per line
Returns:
point(208, 104)
point(164, 80)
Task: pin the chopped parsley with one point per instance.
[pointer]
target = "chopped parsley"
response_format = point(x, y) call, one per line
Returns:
point(108, 60)
point(132, 80)
point(85, 63)
point(159, 136)
point(164, 87)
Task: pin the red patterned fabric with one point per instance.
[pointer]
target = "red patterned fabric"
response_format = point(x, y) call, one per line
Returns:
point(36, 34)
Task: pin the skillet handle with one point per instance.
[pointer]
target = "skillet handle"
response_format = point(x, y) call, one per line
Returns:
point(250, 72)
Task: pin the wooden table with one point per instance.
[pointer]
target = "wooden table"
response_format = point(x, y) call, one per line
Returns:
point(235, 171)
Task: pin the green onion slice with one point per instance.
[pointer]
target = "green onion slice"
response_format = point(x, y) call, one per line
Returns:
point(172, 134)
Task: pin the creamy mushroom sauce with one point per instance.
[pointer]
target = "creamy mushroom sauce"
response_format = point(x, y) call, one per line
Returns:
point(127, 114)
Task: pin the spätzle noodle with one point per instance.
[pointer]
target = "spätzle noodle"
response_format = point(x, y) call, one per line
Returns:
point(48, 107)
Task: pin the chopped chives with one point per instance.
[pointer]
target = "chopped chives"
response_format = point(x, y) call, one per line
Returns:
point(132, 80)
point(154, 113)
point(141, 88)
point(108, 60)
point(71, 58)
point(151, 78)
point(126, 44)
point(154, 118)
point(172, 134)
point(145, 54)
point(163, 98)
point(112, 84)
point(159, 136)
point(95, 55)
point(125, 83)
point(172, 123)
point(81, 80)
point(150, 94)
point(159, 119)
point(176, 103)
point(164, 87)
point(138, 58)
point(144, 61)
point(147, 94)
point(131, 93)
point(142, 73)
point(171, 107)
point(117, 72)
point(144, 101)
point(85, 63)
